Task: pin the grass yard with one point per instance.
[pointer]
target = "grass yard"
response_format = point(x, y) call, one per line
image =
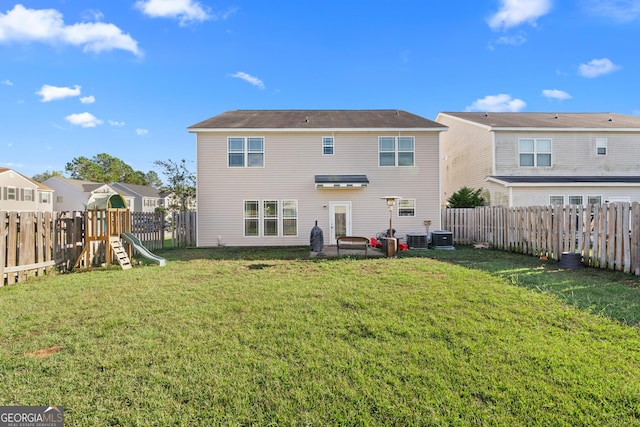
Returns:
point(255, 336)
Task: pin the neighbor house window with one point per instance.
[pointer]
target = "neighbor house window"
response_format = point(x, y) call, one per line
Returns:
point(245, 152)
point(396, 151)
point(575, 200)
point(556, 200)
point(28, 194)
point(274, 215)
point(406, 207)
point(11, 193)
point(270, 212)
point(251, 218)
point(594, 200)
point(327, 145)
point(535, 152)
point(44, 198)
point(601, 146)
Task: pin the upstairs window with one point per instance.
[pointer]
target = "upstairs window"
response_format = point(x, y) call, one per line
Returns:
point(396, 151)
point(535, 152)
point(601, 146)
point(246, 152)
point(327, 146)
point(12, 193)
point(28, 194)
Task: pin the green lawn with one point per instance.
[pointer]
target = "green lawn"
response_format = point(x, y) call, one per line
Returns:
point(261, 337)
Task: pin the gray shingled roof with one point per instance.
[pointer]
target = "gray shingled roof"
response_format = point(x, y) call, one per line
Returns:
point(552, 120)
point(316, 119)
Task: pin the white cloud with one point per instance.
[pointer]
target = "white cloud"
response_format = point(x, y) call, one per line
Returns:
point(513, 13)
point(517, 40)
point(88, 99)
point(249, 78)
point(497, 103)
point(47, 26)
point(556, 94)
point(6, 82)
point(85, 120)
point(597, 67)
point(116, 123)
point(619, 10)
point(186, 11)
point(142, 132)
point(52, 93)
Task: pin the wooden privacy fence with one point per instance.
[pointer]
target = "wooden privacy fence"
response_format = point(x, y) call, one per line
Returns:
point(607, 236)
point(37, 243)
point(183, 229)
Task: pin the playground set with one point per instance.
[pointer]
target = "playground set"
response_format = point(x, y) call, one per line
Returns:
point(107, 234)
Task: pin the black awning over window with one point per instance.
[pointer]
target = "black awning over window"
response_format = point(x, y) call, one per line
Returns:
point(341, 181)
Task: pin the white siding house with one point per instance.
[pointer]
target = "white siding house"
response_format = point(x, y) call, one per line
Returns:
point(524, 159)
point(265, 177)
point(74, 194)
point(20, 193)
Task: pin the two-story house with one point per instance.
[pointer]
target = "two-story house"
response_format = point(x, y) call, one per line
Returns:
point(21, 193)
point(76, 194)
point(265, 177)
point(526, 159)
point(141, 198)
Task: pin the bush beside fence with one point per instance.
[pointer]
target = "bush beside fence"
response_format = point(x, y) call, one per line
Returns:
point(607, 236)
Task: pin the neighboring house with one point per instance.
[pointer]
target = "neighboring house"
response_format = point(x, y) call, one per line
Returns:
point(20, 193)
point(265, 177)
point(528, 159)
point(141, 198)
point(74, 194)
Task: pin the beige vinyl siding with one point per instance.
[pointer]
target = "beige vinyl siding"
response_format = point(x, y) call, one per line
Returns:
point(467, 155)
point(291, 160)
point(572, 153)
point(18, 184)
point(539, 196)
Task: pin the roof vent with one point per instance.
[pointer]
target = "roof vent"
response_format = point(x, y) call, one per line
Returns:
point(556, 116)
point(486, 114)
point(306, 119)
point(610, 119)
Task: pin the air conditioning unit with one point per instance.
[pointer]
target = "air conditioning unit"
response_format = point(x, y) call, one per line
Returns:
point(442, 239)
point(417, 240)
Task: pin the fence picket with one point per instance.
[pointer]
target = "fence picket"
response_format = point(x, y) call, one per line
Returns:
point(607, 236)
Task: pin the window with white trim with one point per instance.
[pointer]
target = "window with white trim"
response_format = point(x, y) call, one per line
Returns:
point(245, 152)
point(575, 200)
point(406, 207)
point(396, 151)
point(12, 193)
point(594, 200)
point(28, 194)
point(270, 218)
point(327, 146)
point(601, 146)
point(45, 198)
point(251, 218)
point(556, 200)
point(534, 152)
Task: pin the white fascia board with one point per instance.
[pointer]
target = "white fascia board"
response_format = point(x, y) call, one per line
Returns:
point(539, 129)
point(318, 130)
point(562, 184)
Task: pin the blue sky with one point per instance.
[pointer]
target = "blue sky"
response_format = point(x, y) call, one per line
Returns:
point(127, 77)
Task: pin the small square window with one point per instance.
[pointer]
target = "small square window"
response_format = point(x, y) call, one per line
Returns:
point(406, 207)
point(327, 146)
point(556, 200)
point(575, 200)
point(601, 146)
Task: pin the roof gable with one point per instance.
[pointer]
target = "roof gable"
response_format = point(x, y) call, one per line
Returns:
point(316, 119)
point(40, 186)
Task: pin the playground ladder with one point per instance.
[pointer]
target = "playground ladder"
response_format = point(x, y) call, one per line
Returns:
point(121, 254)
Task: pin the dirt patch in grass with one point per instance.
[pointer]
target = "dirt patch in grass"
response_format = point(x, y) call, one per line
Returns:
point(45, 352)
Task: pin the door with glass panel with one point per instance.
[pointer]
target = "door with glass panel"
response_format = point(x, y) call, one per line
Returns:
point(340, 220)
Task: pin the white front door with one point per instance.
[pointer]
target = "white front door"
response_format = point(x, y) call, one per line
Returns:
point(340, 220)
